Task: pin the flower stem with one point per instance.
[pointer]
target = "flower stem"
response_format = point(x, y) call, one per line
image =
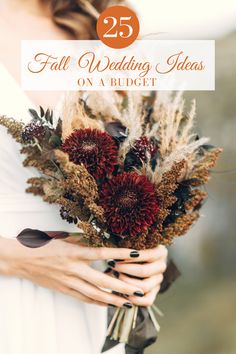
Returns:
point(116, 330)
point(127, 324)
point(153, 318)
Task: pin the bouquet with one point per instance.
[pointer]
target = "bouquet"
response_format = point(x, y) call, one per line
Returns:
point(128, 170)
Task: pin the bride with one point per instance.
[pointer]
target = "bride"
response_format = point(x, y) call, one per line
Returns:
point(52, 301)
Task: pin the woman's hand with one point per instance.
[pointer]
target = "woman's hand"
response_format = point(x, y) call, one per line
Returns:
point(147, 276)
point(65, 267)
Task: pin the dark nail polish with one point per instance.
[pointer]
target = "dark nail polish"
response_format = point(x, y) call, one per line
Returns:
point(128, 305)
point(138, 293)
point(116, 274)
point(111, 263)
point(115, 293)
point(111, 305)
point(119, 260)
point(108, 270)
point(134, 254)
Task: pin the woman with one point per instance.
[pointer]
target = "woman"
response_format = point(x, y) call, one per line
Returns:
point(51, 299)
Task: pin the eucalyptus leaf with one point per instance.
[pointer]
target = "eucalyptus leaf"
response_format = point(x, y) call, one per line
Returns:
point(41, 111)
point(34, 114)
point(55, 141)
point(51, 117)
point(208, 147)
point(117, 130)
point(58, 130)
point(47, 115)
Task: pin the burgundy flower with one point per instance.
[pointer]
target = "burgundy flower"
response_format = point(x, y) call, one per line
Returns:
point(142, 147)
point(129, 203)
point(33, 130)
point(94, 149)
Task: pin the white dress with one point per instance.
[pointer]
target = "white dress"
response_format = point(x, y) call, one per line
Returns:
point(33, 319)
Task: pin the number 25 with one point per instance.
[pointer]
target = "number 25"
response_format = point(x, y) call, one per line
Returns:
point(113, 22)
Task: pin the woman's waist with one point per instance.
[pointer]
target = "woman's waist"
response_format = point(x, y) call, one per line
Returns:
point(20, 211)
point(23, 202)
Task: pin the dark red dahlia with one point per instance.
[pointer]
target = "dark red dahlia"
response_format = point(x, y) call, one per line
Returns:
point(96, 150)
point(142, 147)
point(129, 203)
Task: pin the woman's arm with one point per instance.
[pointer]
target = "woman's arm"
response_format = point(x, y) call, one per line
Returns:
point(8, 249)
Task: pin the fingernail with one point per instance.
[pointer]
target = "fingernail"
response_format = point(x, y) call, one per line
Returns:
point(139, 293)
point(108, 270)
point(111, 263)
point(128, 305)
point(134, 254)
point(111, 305)
point(119, 260)
point(116, 274)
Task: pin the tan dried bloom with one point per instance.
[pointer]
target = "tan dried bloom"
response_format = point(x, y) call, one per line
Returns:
point(202, 167)
point(53, 190)
point(81, 184)
point(36, 186)
point(93, 236)
point(96, 210)
point(35, 191)
point(14, 128)
point(75, 116)
point(74, 209)
point(49, 189)
point(169, 182)
point(42, 162)
point(180, 226)
point(78, 178)
point(138, 243)
point(197, 197)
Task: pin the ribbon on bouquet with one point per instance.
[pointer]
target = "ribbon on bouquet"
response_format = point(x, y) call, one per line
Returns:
point(143, 335)
point(145, 331)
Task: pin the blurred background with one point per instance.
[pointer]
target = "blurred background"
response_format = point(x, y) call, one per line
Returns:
point(200, 308)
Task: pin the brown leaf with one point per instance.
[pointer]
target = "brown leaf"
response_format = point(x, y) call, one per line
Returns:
point(33, 238)
point(171, 274)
